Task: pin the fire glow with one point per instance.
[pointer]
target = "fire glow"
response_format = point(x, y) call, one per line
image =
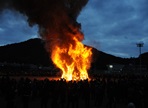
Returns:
point(74, 61)
point(58, 27)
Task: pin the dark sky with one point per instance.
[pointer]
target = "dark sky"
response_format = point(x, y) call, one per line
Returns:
point(112, 26)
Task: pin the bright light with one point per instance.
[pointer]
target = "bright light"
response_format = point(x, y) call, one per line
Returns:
point(110, 66)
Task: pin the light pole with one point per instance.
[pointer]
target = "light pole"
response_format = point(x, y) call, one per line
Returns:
point(140, 45)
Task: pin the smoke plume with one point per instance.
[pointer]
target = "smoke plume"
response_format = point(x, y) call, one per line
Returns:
point(57, 19)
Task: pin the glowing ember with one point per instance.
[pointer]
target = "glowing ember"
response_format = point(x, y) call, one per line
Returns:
point(73, 60)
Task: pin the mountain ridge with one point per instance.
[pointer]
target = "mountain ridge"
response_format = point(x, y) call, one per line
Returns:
point(33, 51)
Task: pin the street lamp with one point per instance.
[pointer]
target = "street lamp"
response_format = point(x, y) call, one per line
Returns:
point(140, 45)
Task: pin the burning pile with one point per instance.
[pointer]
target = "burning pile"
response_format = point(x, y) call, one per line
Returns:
point(72, 60)
point(60, 30)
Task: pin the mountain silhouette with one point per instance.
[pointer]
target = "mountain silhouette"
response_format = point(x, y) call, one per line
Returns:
point(28, 52)
point(33, 52)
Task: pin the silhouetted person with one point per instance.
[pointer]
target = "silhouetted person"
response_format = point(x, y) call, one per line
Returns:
point(86, 93)
point(10, 93)
point(45, 93)
point(131, 105)
point(75, 94)
point(55, 94)
point(26, 93)
point(62, 93)
point(99, 94)
point(111, 94)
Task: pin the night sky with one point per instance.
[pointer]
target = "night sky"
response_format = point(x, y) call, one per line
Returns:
point(112, 26)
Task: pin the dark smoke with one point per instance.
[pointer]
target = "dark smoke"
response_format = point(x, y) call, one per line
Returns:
point(56, 18)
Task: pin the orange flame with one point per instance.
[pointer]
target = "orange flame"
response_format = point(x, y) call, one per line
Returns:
point(73, 60)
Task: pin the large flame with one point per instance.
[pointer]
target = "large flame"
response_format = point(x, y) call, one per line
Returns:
point(73, 60)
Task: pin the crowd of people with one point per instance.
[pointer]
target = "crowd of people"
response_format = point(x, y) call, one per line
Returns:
point(109, 91)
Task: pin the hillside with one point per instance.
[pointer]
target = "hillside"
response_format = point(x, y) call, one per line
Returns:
point(28, 52)
point(33, 52)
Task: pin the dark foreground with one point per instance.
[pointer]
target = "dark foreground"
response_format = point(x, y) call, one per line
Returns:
point(106, 91)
